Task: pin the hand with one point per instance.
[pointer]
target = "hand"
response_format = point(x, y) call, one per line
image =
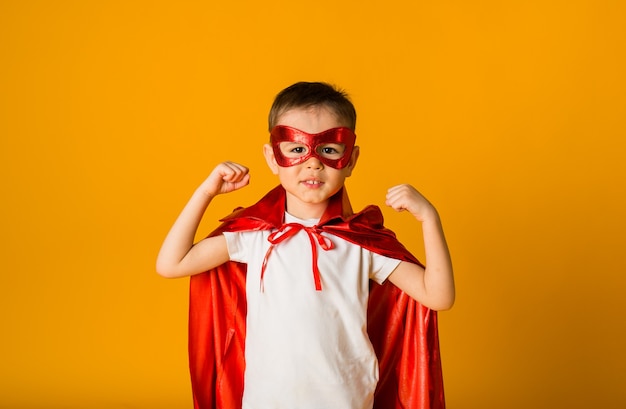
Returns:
point(406, 197)
point(225, 178)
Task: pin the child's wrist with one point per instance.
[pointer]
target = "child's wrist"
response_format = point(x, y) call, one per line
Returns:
point(205, 194)
point(431, 215)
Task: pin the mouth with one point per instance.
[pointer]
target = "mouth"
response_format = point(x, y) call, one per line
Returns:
point(312, 183)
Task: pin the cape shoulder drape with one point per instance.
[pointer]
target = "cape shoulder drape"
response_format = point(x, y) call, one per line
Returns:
point(403, 332)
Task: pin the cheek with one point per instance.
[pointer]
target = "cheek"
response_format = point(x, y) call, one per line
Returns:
point(345, 172)
point(286, 175)
point(338, 175)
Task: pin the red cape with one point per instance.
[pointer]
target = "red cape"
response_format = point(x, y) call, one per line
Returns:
point(403, 332)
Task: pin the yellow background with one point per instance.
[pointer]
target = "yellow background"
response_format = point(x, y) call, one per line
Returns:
point(508, 115)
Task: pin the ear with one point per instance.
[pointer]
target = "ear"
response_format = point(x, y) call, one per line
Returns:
point(353, 158)
point(268, 152)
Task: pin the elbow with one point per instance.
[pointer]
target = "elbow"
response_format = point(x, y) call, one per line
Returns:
point(166, 271)
point(443, 300)
point(442, 306)
point(164, 274)
point(442, 303)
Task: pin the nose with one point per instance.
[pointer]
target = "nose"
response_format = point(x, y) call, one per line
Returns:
point(314, 163)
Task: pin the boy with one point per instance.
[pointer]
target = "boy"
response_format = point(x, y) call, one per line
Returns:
point(291, 278)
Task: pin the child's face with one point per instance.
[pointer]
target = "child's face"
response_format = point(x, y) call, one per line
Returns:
point(310, 183)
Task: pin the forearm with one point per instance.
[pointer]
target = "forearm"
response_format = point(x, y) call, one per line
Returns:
point(438, 275)
point(180, 238)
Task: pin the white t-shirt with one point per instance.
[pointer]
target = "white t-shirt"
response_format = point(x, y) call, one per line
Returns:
point(308, 349)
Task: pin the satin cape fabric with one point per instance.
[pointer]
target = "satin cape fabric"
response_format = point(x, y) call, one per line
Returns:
point(403, 332)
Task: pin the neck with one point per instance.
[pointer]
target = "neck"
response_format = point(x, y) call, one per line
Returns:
point(303, 210)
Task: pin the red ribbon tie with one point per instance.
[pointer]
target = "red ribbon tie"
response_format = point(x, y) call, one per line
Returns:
point(291, 229)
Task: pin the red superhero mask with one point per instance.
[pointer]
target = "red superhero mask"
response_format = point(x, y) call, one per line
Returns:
point(319, 145)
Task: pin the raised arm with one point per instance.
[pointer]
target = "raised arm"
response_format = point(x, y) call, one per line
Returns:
point(179, 256)
point(433, 286)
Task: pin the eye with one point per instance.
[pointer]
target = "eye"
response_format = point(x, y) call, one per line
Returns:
point(331, 150)
point(292, 149)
